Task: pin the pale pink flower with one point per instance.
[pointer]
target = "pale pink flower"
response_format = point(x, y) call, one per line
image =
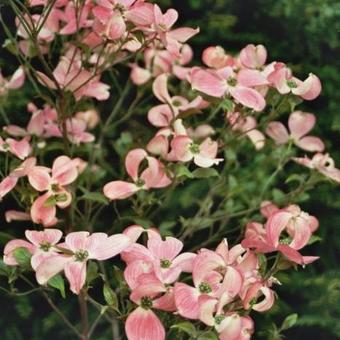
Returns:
point(73, 77)
point(153, 176)
point(203, 155)
point(83, 247)
point(216, 57)
point(41, 246)
point(322, 163)
point(19, 148)
point(253, 57)
point(16, 81)
point(300, 124)
point(64, 171)
point(218, 83)
point(254, 291)
point(284, 82)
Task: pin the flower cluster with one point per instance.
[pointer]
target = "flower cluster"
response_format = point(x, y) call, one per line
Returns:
point(62, 165)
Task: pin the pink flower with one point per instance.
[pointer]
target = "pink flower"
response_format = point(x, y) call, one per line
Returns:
point(247, 125)
point(253, 57)
point(299, 227)
point(204, 154)
point(20, 149)
point(218, 83)
point(41, 246)
point(284, 82)
point(171, 39)
point(15, 82)
point(212, 276)
point(254, 291)
point(64, 171)
point(9, 182)
point(300, 123)
point(82, 247)
point(153, 176)
point(160, 257)
point(322, 163)
point(215, 57)
point(73, 77)
point(143, 323)
point(14, 215)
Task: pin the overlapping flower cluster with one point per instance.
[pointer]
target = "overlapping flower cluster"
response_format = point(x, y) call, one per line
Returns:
point(218, 288)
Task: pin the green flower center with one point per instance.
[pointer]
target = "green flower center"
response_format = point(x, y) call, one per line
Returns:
point(81, 255)
point(231, 81)
point(204, 288)
point(176, 103)
point(146, 302)
point(219, 319)
point(292, 84)
point(194, 148)
point(45, 246)
point(140, 182)
point(55, 187)
point(165, 263)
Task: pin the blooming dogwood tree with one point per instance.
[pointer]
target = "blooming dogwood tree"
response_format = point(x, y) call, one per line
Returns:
point(129, 154)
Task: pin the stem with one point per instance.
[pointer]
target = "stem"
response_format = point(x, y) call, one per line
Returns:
point(84, 315)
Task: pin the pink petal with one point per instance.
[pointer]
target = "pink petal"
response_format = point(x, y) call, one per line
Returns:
point(14, 215)
point(109, 247)
point(10, 247)
point(141, 14)
point(133, 232)
point(167, 249)
point(267, 302)
point(253, 56)
point(275, 225)
point(64, 170)
point(39, 178)
point(134, 270)
point(17, 79)
point(185, 262)
point(159, 145)
point(143, 324)
point(186, 300)
point(118, 190)
point(139, 75)
point(133, 160)
point(207, 82)
point(44, 80)
point(77, 240)
point(251, 78)
point(42, 214)
point(51, 236)
point(301, 233)
point(160, 115)
point(300, 123)
point(137, 252)
point(230, 327)
point(231, 285)
point(311, 143)
point(166, 302)
point(180, 146)
point(278, 132)
point(50, 267)
point(248, 97)
point(160, 88)
point(183, 34)
point(207, 309)
point(6, 185)
point(309, 89)
point(75, 273)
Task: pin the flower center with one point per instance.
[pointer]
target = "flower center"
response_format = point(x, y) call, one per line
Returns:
point(219, 319)
point(146, 302)
point(81, 255)
point(45, 246)
point(194, 148)
point(140, 182)
point(204, 288)
point(176, 103)
point(292, 84)
point(55, 187)
point(231, 81)
point(165, 263)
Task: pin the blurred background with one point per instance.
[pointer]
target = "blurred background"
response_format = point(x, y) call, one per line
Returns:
point(303, 33)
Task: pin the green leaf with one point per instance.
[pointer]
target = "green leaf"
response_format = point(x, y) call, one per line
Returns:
point(94, 197)
point(228, 105)
point(313, 239)
point(289, 321)
point(186, 327)
point(92, 271)
point(23, 256)
point(57, 282)
point(207, 336)
point(183, 171)
point(110, 296)
point(205, 173)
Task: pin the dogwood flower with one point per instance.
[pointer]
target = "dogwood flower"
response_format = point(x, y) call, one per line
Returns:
point(80, 247)
point(153, 176)
point(15, 82)
point(299, 123)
